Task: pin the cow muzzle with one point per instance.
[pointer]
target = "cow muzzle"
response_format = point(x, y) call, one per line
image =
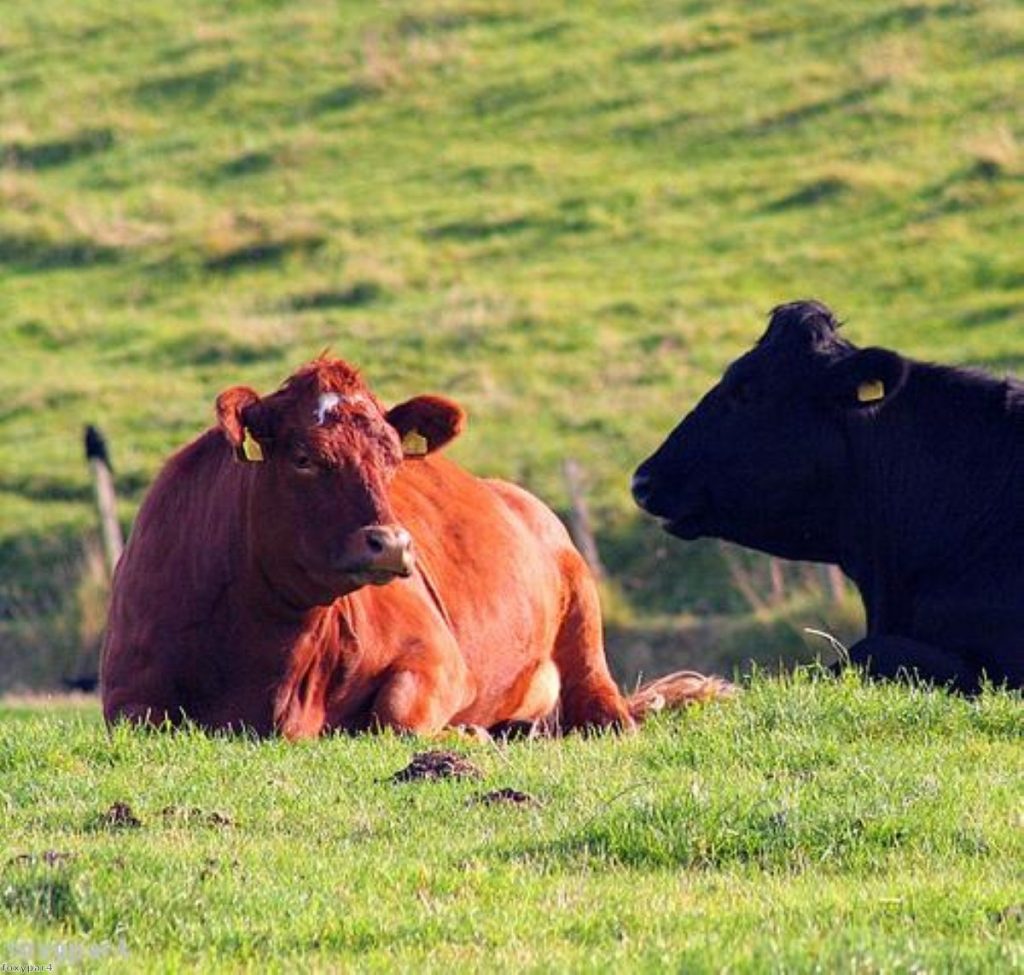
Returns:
point(641, 488)
point(684, 510)
point(648, 491)
point(377, 554)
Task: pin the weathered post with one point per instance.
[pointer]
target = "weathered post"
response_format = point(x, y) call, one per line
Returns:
point(106, 501)
point(834, 582)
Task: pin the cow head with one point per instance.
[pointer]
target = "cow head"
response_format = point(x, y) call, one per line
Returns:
point(321, 452)
point(762, 460)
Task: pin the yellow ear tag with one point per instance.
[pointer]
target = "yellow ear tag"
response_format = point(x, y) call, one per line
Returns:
point(251, 448)
point(871, 391)
point(414, 444)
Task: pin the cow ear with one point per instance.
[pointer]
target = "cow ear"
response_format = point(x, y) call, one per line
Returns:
point(426, 423)
point(867, 378)
point(238, 419)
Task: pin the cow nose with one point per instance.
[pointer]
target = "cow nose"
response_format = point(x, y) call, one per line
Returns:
point(641, 488)
point(380, 548)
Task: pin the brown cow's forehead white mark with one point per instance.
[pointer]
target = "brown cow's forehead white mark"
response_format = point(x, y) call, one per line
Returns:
point(329, 402)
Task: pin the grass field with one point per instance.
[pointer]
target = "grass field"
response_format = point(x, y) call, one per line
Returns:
point(569, 216)
point(807, 826)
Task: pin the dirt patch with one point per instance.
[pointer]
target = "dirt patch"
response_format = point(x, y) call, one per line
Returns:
point(437, 765)
point(213, 865)
point(192, 816)
point(507, 797)
point(1012, 915)
point(119, 816)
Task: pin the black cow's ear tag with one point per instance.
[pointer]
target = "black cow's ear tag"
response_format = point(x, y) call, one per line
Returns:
point(871, 391)
point(414, 444)
point(251, 449)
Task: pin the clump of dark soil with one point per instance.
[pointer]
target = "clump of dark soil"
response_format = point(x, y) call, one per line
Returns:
point(192, 816)
point(507, 797)
point(119, 816)
point(1014, 914)
point(437, 765)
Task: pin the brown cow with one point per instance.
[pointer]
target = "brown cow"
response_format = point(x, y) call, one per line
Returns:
point(270, 581)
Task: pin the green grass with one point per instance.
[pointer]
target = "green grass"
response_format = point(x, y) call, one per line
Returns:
point(568, 216)
point(808, 826)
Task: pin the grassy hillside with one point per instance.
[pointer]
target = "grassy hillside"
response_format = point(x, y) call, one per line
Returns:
point(805, 827)
point(568, 216)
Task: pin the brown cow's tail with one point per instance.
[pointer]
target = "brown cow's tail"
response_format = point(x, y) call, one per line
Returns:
point(675, 691)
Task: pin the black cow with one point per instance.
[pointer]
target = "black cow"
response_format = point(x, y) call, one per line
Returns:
point(908, 475)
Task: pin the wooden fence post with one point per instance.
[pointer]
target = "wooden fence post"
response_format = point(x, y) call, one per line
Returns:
point(742, 579)
point(834, 582)
point(106, 500)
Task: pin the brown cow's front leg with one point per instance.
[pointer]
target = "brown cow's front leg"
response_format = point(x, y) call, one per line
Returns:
point(594, 704)
point(590, 701)
point(143, 715)
point(422, 693)
point(139, 701)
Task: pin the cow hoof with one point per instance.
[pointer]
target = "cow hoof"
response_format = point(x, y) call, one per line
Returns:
point(474, 732)
point(516, 730)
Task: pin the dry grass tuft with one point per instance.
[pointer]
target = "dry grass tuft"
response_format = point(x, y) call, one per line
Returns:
point(114, 229)
point(891, 60)
point(995, 153)
point(235, 238)
point(18, 191)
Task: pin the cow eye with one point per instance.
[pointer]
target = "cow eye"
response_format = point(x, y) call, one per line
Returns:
point(302, 461)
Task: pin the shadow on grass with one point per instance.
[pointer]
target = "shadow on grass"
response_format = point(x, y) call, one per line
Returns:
point(263, 252)
point(810, 111)
point(57, 152)
point(967, 188)
point(54, 488)
point(36, 252)
point(663, 128)
point(247, 164)
point(505, 99)
point(989, 316)
point(357, 295)
point(39, 401)
point(42, 335)
point(571, 220)
point(427, 22)
point(36, 487)
point(820, 191)
point(481, 229)
point(344, 97)
point(911, 15)
point(189, 87)
point(514, 174)
point(206, 348)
